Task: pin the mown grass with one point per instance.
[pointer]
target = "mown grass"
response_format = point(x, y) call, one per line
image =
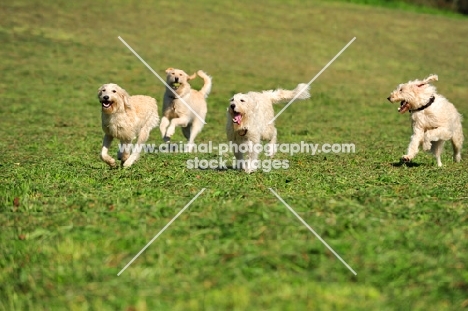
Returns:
point(70, 224)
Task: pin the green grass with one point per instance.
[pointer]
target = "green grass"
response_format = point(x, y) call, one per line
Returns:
point(427, 7)
point(70, 224)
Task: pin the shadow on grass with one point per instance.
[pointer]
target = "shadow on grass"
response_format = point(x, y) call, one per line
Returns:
point(222, 169)
point(408, 164)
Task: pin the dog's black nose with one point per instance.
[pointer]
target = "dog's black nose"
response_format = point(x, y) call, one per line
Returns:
point(233, 106)
point(388, 98)
point(106, 97)
point(176, 79)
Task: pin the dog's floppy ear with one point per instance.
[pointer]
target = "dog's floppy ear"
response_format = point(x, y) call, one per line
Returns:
point(169, 69)
point(191, 77)
point(125, 97)
point(429, 79)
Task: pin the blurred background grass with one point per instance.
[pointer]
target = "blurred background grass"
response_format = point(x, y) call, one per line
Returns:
point(426, 6)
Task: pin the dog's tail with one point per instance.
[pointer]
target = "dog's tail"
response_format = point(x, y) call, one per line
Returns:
point(280, 96)
point(206, 89)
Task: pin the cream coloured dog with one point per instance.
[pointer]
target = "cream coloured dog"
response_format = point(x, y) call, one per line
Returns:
point(125, 117)
point(434, 118)
point(248, 121)
point(186, 108)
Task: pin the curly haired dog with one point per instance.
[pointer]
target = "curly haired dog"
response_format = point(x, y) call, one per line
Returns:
point(248, 121)
point(125, 117)
point(434, 118)
point(188, 109)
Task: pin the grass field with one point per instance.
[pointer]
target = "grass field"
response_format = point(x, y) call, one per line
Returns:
point(448, 8)
point(70, 224)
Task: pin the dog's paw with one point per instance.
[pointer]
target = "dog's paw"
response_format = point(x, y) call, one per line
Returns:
point(427, 145)
point(270, 150)
point(127, 163)
point(406, 158)
point(170, 131)
point(124, 157)
point(251, 166)
point(109, 161)
point(189, 147)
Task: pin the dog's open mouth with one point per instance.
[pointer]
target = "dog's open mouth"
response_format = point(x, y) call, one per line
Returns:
point(106, 104)
point(404, 106)
point(237, 118)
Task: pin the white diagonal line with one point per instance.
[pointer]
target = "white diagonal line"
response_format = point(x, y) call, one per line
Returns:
point(161, 79)
point(312, 230)
point(160, 232)
point(313, 79)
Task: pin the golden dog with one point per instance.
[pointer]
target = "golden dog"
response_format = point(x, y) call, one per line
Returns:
point(125, 117)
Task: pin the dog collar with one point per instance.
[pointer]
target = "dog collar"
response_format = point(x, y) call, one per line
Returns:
point(431, 100)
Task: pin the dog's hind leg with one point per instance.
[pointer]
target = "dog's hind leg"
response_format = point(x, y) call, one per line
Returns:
point(125, 149)
point(142, 138)
point(186, 131)
point(437, 148)
point(457, 142)
point(271, 147)
point(437, 134)
point(240, 162)
point(194, 129)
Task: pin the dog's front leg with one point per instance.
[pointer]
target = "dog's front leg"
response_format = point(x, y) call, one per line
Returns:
point(413, 148)
point(125, 149)
point(163, 128)
point(239, 164)
point(252, 161)
point(183, 122)
point(106, 142)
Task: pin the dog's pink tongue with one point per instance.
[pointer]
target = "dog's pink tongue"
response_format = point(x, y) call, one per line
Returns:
point(237, 119)
point(403, 108)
